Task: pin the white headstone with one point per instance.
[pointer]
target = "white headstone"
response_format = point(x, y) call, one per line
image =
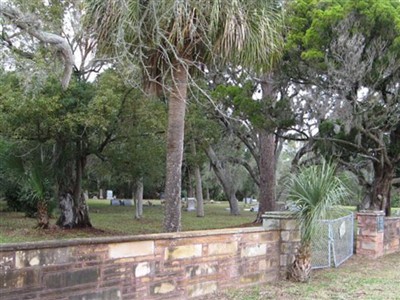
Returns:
point(191, 204)
point(109, 194)
point(247, 200)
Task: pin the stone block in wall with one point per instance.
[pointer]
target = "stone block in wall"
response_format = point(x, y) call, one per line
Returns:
point(295, 236)
point(289, 224)
point(131, 249)
point(114, 294)
point(71, 278)
point(201, 270)
point(285, 235)
point(17, 279)
point(163, 288)
point(253, 250)
point(7, 261)
point(181, 252)
point(43, 257)
point(271, 224)
point(222, 248)
point(142, 269)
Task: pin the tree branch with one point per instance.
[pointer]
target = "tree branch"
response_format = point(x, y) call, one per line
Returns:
point(246, 165)
point(29, 25)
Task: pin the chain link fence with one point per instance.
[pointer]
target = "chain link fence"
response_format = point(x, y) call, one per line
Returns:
point(333, 242)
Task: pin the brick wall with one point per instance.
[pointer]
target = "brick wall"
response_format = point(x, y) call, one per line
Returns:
point(377, 235)
point(391, 241)
point(158, 266)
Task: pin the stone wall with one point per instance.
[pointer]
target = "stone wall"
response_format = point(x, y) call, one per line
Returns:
point(377, 235)
point(158, 266)
point(289, 236)
point(391, 241)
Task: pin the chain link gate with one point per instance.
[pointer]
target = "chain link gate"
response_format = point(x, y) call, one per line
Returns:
point(333, 242)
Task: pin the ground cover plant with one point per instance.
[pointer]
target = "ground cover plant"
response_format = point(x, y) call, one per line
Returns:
point(110, 220)
point(357, 278)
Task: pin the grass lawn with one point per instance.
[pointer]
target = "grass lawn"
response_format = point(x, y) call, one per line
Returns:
point(118, 220)
point(357, 278)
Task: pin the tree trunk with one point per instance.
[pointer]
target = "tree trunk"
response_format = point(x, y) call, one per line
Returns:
point(199, 192)
point(138, 198)
point(199, 186)
point(225, 180)
point(175, 136)
point(73, 208)
point(266, 197)
point(190, 188)
point(381, 188)
point(74, 212)
point(267, 164)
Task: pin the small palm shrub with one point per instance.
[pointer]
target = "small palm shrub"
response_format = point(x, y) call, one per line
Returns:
point(314, 191)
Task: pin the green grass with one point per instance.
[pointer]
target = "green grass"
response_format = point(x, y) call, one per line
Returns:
point(358, 278)
point(118, 220)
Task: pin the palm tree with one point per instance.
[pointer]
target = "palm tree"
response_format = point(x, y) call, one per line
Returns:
point(314, 191)
point(168, 39)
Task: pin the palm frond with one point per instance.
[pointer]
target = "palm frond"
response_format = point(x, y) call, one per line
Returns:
point(315, 191)
point(190, 31)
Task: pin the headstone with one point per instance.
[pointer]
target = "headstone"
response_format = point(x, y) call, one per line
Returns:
point(247, 200)
point(109, 194)
point(191, 204)
point(254, 207)
point(114, 202)
point(128, 202)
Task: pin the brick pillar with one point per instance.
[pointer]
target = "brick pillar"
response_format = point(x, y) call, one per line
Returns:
point(370, 233)
point(288, 226)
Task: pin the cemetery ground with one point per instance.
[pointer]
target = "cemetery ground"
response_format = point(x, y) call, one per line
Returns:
point(110, 220)
point(357, 278)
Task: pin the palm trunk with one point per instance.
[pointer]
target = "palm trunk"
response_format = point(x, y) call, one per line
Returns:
point(267, 174)
point(175, 137)
point(300, 270)
point(42, 215)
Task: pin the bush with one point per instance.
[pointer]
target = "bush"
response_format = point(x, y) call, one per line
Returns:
point(11, 194)
point(395, 200)
point(22, 199)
